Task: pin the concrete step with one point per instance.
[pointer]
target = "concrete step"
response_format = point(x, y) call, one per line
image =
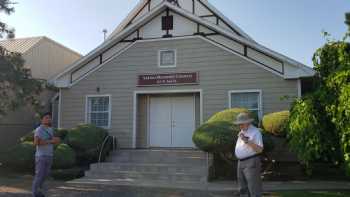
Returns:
point(159, 159)
point(151, 176)
point(89, 188)
point(156, 156)
point(155, 168)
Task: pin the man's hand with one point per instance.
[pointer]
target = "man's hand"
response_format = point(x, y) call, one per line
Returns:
point(258, 149)
point(55, 140)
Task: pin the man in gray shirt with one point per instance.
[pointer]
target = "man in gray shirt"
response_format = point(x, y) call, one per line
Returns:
point(44, 141)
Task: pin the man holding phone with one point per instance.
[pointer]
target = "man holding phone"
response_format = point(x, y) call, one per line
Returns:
point(248, 149)
point(44, 141)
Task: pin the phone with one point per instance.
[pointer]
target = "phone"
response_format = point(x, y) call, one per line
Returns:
point(243, 137)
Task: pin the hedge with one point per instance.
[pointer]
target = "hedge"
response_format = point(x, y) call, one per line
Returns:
point(228, 115)
point(86, 140)
point(276, 123)
point(217, 136)
point(64, 157)
point(20, 157)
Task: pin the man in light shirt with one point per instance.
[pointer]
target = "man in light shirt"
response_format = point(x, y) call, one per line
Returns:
point(44, 141)
point(248, 149)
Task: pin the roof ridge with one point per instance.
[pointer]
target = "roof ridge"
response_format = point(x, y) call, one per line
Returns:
point(23, 38)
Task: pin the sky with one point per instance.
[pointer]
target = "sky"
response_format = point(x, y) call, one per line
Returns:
point(290, 27)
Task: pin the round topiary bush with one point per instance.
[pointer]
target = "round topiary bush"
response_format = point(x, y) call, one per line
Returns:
point(219, 133)
point(64, 157)
point(61, 133)
point(85, 137)
point(86, 140)
point(217, 136)
point(20, 157)
point(228, 115)
point(276, 123)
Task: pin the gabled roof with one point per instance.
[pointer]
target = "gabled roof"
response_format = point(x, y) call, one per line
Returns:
point(23, 45)
point(302, 70)
point(142, 3)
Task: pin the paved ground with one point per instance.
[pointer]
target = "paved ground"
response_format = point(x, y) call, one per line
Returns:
point(19, 186)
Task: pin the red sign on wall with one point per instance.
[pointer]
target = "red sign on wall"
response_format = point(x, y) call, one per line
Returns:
point(168, 79)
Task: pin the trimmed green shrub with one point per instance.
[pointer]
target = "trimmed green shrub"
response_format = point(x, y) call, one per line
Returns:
point(20, 157)
point(61, 133)
point(67, 174)
point(276, 123)
point(64, 157)
point(228, 115)
point(217, 136)
point(86, 140)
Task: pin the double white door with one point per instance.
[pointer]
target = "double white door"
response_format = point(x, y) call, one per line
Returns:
point(172, 121)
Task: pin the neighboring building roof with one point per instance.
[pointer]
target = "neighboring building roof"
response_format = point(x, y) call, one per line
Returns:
point(23, 45)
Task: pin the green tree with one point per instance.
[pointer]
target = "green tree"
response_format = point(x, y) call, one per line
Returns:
point(17, 88)
point(6, 6)
point(319, 126)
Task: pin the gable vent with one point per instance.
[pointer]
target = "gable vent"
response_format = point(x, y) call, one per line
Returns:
point(167, 22)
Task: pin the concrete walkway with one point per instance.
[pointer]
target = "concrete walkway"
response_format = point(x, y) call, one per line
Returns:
point(222, 189)
point(288, 186)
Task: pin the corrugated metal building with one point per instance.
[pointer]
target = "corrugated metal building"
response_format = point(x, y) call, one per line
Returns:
point(45, 58)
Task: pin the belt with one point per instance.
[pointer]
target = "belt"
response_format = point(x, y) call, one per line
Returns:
point(250, 157)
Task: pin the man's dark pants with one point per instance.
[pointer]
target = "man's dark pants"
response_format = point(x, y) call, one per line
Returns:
point(248, 175)
point(42, 170)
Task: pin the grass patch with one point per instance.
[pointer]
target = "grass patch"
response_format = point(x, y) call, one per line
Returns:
point(310, 194)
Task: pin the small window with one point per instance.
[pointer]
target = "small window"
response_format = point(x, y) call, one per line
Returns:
point(98, 111)
point(247, 99)
point(167, 58)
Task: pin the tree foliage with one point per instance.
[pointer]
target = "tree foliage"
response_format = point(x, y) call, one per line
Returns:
point(311, 134)
point(323, 118)
point(6, 6)
point(17, 88)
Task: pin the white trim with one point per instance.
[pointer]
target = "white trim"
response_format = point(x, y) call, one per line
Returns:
point(136, 93)
point(166, 39)
point(159, 58)
point(52, 107)
point(59, 108)
point(242, 56)
point(233, 25)
point(98, 67)
point(161, 7)
point(109, 108)
point(299, 88)
point(260, 101)
point(124, 50)
point(54, 97)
